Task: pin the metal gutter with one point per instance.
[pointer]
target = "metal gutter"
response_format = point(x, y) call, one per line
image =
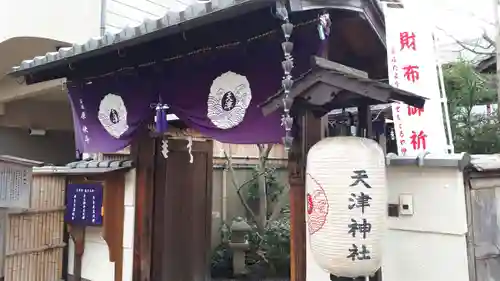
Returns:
point(458, 161)
point(462, 161)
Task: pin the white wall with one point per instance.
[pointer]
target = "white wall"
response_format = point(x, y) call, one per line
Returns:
point(430, 245)
point(95, 263)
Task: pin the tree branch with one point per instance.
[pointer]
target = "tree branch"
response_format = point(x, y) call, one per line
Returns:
point(261, 220)
point(236, 186)
point(488, 39)
point(473, 49)
point(265, 173)
point(262, 191)
point(280, 203)
point(267, 151)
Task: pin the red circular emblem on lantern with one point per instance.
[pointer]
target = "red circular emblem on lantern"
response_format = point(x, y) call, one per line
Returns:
point(317, 207)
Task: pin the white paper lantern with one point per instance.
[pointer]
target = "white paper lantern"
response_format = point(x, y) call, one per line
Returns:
point(346, 205)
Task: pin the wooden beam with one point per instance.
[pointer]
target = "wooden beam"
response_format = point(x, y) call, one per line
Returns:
point(113, 200)
point(355, 86)
point(371, 89)
point(299, 87)
point(143, 153)
point(334, 66)
point(365, 126)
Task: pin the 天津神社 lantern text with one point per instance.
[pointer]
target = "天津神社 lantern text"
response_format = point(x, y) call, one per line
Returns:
point(346, 205)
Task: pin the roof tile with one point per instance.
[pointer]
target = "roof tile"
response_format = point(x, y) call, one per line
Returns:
point(147, 26)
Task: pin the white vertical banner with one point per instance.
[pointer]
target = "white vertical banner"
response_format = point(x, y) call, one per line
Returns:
point(412, 67)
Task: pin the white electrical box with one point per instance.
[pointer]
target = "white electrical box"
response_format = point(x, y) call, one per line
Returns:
point(406, 204)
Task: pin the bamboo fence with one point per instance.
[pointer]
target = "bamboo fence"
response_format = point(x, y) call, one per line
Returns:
point(34, 240)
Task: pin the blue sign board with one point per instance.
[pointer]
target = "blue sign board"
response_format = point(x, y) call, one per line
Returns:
point(84, 204)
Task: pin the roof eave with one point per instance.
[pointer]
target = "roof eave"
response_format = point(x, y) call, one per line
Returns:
point(369, 9)
point(78, 171)
point(324, 72)
point(486, 64)
point(84, 167)
point(210, 17)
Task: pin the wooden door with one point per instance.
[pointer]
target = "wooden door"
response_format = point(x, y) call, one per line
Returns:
point(182, 212)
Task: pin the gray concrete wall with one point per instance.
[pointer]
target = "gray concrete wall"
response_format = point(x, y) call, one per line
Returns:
point(56, 147)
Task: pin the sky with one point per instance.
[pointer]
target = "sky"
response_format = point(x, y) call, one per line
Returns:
point(121, 13)
point(463, 20)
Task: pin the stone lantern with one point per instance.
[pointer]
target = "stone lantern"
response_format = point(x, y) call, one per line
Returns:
point(239, 244)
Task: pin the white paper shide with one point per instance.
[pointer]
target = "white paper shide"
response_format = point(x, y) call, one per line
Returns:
point(346, 205)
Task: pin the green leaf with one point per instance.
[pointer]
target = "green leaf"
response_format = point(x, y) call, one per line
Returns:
point(465, 88)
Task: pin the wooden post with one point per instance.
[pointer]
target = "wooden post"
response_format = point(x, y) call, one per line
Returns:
point(78, 236)
point(113, 199)
point(364, 129)
point(309, 130)
point(143, 152)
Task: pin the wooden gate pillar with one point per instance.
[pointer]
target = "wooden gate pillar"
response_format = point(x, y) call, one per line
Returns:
point(143, 151)
point(308, 131)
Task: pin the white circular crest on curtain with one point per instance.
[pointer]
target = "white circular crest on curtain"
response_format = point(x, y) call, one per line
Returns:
point(229, 98)
point(113, 115)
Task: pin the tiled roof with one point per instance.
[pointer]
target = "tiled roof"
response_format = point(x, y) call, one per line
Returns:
point(329, 73)
point(174, 21)
point(486, 162)
point(86, 167)
point(100, 164)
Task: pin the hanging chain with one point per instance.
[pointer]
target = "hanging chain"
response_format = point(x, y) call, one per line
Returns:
point(287, 81)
